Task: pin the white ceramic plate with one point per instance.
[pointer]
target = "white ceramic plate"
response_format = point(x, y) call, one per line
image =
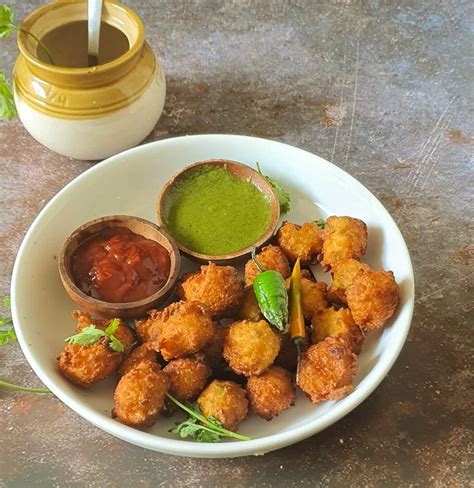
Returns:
point(129, 184)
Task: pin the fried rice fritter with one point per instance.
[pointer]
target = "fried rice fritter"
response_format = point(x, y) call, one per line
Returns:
point(188, 377)
point(330, 322)
point(271, 393)
point(140, 353)
point(270, 257)
point(301, 241)
point(86, 365)
point(326, 370)
point(344, 238)
point(249, 309)
point(181, 329)
point(251, 347)
point(373, 297)
point(140, 395)
point(226, 401)
point(218, 287)
point(343, 272)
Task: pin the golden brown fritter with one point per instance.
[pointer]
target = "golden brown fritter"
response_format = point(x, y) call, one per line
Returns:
point(270, 257)
point(343, 273)
point(301, 241)
point(143, 328)
point(337, 323)
point(251, 347)
point(212, 352)
point(313, 296)
point(271, 393)
point(326, 370)
point(288, 356)
point(373, 297)
point(140, 394)
point(86, 365)
point(249, 309)
point(226, 401)
point(218, 287)
point(344, 238)
point(188, 377)
point(181, 329)
point(140, 353)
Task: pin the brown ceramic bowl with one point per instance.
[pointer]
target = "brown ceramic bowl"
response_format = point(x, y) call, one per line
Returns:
point(243, 172)
point(123, 310)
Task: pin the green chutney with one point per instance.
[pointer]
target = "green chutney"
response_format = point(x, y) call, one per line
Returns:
point(211, 211)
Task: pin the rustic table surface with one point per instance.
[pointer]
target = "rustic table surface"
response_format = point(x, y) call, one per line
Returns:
point(382, 89)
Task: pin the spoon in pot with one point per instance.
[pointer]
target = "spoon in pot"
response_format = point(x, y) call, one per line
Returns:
point(94, 13)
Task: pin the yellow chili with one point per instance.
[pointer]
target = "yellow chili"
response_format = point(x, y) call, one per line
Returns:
point(297, 329)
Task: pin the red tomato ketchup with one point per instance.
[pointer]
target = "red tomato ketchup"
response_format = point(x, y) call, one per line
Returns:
point(119, 266)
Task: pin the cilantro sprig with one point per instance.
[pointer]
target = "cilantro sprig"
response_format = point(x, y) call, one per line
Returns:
point(8, 27)
point(7, 334)
point(199, 427)
point(282, 195)
point(320, 223)
point(91, 334)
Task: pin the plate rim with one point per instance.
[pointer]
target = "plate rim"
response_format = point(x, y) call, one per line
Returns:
point(256, 446)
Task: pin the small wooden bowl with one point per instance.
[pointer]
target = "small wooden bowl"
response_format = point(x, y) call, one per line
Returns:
point(243, 172)
point(122, 310)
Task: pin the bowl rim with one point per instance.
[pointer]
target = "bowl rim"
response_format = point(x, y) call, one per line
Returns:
point(273, 203)
point(256, 446)
point(175, 265)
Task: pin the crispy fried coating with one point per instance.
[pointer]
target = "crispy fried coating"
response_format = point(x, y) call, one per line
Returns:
point(343, 272)
point(326, 370)
point(251, 347)
point(188, 377)
point(226, 401)
point(218, 287)
point(270, 257)
point(181, 329)
point(249, 309)
point(271, 393)
point(373, 297)
point(344, 238)
point(86, 365)
point(211, 354)
point(288, 356)
point(140, 394)
point(330, 322)
point(140, 353)
point(301, 241)
point(313, 296)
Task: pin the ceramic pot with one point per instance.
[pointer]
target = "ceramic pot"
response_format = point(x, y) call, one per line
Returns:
point(90, 112)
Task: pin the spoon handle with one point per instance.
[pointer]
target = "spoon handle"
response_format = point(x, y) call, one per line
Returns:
point(94, 13)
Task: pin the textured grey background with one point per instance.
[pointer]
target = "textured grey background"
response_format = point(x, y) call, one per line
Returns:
point(381, 88)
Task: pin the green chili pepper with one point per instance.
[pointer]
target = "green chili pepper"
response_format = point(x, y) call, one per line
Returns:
point(272, 298)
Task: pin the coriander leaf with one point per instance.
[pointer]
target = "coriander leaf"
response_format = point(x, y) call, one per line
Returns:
point(6, 302)
point(88, 335)
point(113, 326)
point(5, 320)
point(7, 103)
point(7, 25)
point(115, 344)
point(282, 195)
point(320, 223)
point(204, 435)
point(7, 335)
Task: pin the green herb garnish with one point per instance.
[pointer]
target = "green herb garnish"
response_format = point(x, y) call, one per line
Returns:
point(91, 334)
point(320, 223)
point(11, 386)
point(7, 103)
point(282, 195)
point(6, 334)
point(207, 430)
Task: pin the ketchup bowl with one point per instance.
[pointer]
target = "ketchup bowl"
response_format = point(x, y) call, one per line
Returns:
point(119, 266)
